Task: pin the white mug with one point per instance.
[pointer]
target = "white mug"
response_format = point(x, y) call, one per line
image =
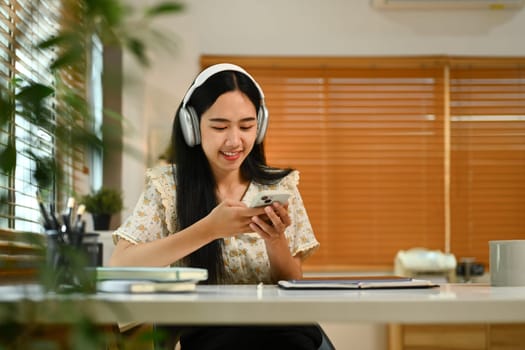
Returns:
point(507, 263)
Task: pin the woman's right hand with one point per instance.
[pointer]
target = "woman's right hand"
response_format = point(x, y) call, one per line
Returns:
point(231, 218)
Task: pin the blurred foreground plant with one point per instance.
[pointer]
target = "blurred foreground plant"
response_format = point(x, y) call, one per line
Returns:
point(60, 111)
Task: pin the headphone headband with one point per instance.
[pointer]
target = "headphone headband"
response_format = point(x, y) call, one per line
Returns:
point(189, 120)
point(211, 70)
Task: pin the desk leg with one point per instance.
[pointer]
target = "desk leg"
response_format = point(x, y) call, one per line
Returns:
point(395, 336)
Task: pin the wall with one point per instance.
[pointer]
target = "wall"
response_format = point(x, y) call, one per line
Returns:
point(293, 27)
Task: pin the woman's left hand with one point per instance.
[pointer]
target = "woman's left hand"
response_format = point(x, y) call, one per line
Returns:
point(277, 220)
point(271, 226)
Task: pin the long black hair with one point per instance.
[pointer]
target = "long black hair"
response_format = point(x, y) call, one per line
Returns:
point(195, 183)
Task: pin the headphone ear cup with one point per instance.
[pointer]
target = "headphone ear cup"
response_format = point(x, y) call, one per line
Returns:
point(189, 123)
point(262, 123)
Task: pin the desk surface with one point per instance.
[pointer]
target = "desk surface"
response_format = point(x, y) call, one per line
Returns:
point(450, 303)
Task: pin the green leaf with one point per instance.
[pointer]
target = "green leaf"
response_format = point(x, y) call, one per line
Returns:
point(44, 170)
point(69, 58)
point(62, 40)
point(113, 114)
point(137, 48)
point(34, 93)
point(44, 118)
point(110, 12)
point(6, 109)
point(8, 158)
point(86, 138)
point(164, 8)
point(104, 201)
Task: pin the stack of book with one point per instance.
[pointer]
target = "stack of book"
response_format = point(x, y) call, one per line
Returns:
point(149, 279)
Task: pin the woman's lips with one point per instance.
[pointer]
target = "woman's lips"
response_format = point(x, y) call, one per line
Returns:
point(231, 155)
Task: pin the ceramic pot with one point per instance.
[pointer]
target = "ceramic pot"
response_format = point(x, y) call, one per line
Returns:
point(101, 221)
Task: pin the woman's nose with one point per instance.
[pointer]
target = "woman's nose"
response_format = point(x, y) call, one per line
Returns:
point(233, 137)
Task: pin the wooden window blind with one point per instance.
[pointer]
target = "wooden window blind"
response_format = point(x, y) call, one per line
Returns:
point(382, 160)
point(23, 24)
point(488, 154)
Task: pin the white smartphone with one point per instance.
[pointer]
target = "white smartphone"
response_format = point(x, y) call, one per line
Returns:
point(264, 198)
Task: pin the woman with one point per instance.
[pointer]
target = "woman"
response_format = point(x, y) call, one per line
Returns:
point(195, 213)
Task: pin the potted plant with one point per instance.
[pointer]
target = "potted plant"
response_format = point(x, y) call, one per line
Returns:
point(102, 204)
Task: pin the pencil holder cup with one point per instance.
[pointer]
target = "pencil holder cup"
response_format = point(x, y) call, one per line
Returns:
point(92, 248)
point(66, 265)
point(52, 248)
point(56, 271)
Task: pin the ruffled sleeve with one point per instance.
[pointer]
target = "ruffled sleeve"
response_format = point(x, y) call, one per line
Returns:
point(301, 238)
point(154, 215)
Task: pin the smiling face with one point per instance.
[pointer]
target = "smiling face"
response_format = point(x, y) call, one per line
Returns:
point(228, 132)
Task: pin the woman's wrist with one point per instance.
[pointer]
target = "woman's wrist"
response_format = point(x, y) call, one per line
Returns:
point(207, 230)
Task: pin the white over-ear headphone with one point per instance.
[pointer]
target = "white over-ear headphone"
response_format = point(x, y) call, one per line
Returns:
point(189, 121)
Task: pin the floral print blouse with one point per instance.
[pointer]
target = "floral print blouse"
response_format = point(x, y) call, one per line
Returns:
point(244, 255)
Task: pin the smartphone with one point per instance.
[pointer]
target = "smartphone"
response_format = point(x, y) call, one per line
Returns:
point(265, 198)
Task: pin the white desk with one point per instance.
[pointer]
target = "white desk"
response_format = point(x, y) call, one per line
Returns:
point(450, 303)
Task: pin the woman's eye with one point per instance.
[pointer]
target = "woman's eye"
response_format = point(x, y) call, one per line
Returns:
point(218, 127)
point(248, 127)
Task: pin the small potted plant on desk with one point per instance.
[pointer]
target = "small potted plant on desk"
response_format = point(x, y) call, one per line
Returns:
point(102, 204)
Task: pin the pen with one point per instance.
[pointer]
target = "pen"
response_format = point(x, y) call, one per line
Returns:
point(65, 229)
point(79, 225)
point(47, 223)
point(66, 226)
point(78, 220)
point(54, 221)
point(69, 212)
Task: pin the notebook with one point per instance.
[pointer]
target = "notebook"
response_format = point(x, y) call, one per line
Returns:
point(159, 274)
point(356, 282)
point(148, 279)
point(136, 286)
